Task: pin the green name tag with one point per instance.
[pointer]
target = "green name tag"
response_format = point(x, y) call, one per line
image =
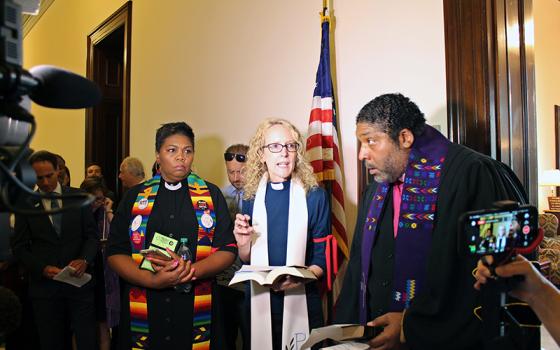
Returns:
point(159, 242)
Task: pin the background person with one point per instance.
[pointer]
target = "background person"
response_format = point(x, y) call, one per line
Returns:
point(95, 170)
point(131, 172)
point(176, 204)
point(235, 158)
point(289, 212)
point(45, 244)
point(232, 298)
point(107, 292)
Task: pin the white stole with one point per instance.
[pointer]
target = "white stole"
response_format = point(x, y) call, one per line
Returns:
point(295, 325)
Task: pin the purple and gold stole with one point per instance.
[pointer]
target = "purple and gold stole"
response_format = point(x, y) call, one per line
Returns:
point(206, 217)
point(416, 221)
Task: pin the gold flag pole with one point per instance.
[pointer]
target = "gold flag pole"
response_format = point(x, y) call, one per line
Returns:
point(325, 15)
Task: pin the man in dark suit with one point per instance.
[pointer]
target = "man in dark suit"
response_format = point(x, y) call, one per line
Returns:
point(45, 244)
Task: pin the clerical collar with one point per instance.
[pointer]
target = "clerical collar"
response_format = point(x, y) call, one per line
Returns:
point(172, 187)
point(278, 186)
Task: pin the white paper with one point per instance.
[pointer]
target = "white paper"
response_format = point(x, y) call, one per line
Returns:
point(66, 276)
point(348, 346)
point(337, 332)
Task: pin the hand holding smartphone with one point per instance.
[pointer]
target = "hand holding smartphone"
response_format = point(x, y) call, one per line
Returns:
point(156, 253)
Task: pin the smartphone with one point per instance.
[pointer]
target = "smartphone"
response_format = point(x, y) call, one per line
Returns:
point(157, 253)
point(499, 231)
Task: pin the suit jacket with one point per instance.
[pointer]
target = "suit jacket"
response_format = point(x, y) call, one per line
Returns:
point(36, 243)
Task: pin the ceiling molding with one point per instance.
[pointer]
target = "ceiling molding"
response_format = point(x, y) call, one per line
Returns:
point(29, 21)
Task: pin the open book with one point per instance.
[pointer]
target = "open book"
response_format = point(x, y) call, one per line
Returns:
point(340, 332)
point(66, 275)
point(266, 275)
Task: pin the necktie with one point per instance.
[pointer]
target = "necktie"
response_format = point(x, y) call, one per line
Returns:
point(237, 201)
point(56, 218)
point(397, 196)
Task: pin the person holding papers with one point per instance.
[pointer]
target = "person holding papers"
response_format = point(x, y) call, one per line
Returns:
point(285, 216)
point(158, 311)
point(46, 245)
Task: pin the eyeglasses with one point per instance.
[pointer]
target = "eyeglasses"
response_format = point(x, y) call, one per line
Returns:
point(241, 158)
point(277, 147)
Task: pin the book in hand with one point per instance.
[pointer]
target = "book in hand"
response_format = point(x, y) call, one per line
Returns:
point(266, 275)
point(341, 332)
point(66, 275)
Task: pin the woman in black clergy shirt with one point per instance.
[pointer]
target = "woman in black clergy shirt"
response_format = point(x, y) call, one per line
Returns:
point(178, 211)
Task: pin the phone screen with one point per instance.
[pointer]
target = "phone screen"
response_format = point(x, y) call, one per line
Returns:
point(499, 231)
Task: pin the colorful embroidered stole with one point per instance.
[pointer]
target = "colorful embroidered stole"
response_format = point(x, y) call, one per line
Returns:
point(206, 218)
point(416, 219)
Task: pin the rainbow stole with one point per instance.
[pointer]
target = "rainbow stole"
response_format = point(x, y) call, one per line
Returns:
point(206, 218)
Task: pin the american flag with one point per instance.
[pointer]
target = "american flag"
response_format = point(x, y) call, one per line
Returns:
point(322, 143)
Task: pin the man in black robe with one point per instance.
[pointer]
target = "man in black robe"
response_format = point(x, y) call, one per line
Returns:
point(395, 142)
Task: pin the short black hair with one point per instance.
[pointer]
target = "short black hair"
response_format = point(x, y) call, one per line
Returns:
point(392, 113)
point(171, 129)
point(44, 156)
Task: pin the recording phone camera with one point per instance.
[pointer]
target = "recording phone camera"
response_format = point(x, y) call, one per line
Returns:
point(500, 232)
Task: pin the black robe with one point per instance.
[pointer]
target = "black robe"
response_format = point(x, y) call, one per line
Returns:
point(170, 314)
point(442, 316)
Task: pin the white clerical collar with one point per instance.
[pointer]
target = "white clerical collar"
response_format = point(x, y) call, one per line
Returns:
point(277, 186)
point(173, 187)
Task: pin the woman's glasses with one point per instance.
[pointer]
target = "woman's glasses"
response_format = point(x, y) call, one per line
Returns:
point(241, 158)
point(277, 147)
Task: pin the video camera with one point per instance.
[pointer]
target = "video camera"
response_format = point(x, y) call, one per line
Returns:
point(45, 85)
point(503, 232)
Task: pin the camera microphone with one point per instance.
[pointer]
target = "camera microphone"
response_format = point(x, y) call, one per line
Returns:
point(59, 88)
point(49, 86)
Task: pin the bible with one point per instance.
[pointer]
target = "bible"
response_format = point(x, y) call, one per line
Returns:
point(341, 332)
point(266, 275)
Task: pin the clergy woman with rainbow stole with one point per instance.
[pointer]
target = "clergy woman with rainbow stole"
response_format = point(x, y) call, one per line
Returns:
point(285, 216)
point(157, 311)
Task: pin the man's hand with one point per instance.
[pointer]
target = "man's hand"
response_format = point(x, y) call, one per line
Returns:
point(390, 337)
point(50, 271)
point(80, 265)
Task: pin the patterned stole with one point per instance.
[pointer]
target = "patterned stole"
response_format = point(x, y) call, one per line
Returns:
point(206, 217)
point(416, 221)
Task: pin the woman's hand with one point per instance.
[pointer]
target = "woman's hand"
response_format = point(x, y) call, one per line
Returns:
point(242, 230)
point(171, 272)
point(243, 233)
point(287, 282)
point(108, 204)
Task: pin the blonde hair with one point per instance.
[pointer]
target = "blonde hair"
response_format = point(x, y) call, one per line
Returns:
point(255, 168)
